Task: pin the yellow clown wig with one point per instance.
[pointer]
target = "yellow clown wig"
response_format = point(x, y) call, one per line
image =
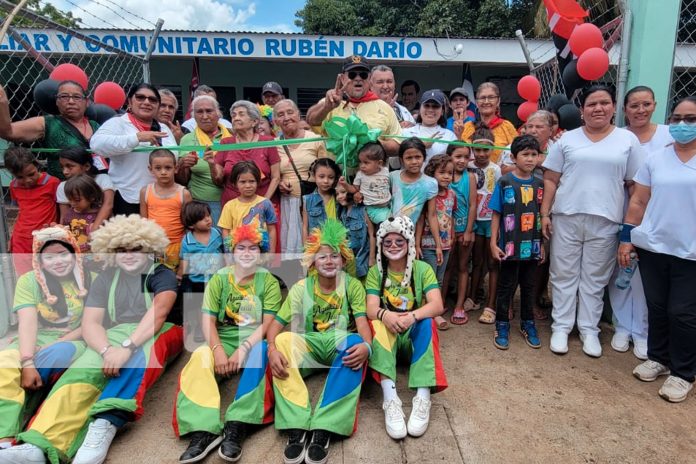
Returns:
point(253, 233)
point(129, 232)
point(333, 234)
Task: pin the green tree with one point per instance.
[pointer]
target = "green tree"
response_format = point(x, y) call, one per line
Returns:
point(493, 20)
point(447, 18)
point(329, 17)
point(48, 11)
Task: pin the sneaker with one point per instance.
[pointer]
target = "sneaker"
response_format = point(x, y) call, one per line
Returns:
point(22, 454)
point(591, 346)
point(318, 449)
point(501, 338)
point(295, 449)
point(621, 342)
point(394, 419)
point(640, 349)
point(529, 332)
point(231, 446)
point(650, 370)
point(559, 342)
point(420, 416)
point(201, 444)
point(675, 389)
point(94, 449)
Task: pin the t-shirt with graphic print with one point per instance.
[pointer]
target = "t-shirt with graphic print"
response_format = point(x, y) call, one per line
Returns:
point(486, 179)
point(409, 198)
point(236, 212)
point(241, 305)
point(28, 293)
point(445, 205)
point(398, 298)
point(316, 311)
point(518, 202)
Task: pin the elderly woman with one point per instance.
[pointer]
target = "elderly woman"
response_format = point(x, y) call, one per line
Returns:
point(295, 161)
point(70, 128)
point(245, 117)
point(167, 113)
point(540, 125)
point(194, 171)
point(586, 171)
point(120, 136)
point(488, 101)
point(659, 226)
point(628, 305)
point(431, 122)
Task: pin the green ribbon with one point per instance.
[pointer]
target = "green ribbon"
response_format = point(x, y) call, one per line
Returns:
point(346, 136)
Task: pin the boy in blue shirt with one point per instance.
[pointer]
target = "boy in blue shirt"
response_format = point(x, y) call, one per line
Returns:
point(517, 245)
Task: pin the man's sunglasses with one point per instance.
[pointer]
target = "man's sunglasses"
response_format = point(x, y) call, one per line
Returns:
point(353, 74)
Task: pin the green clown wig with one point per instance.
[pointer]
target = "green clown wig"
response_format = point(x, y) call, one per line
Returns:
point(332, 234)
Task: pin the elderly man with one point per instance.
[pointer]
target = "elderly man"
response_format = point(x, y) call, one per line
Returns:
point(353, 85)
point(167, 113)
point(271, 93)
point(190, 124)
point(382, 83)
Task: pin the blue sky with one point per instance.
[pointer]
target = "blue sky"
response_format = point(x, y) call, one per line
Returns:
point(270, 12)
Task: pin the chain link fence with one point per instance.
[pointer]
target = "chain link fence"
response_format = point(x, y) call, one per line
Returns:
point(683, 73)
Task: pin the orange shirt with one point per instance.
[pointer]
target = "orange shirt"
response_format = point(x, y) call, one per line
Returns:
point(166, 212)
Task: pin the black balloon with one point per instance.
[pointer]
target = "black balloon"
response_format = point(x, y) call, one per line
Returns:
point(100, 113)
point(45, 96)
point(556, 102)
point(571, 78)
point(569, 117)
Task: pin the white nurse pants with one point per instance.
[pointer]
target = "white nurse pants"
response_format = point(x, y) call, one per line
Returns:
point(629, 307)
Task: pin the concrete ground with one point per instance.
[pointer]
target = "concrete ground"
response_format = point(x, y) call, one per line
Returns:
point(516, 406)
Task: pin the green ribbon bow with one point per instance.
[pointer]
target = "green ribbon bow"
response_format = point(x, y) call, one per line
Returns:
point(346, 136)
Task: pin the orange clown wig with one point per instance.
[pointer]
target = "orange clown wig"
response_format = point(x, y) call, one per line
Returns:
point(332, 234)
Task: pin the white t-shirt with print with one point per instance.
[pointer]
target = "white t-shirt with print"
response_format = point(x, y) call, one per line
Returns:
point(486, 179)
point(102, 180)
point(419, 130)
point(375, 189)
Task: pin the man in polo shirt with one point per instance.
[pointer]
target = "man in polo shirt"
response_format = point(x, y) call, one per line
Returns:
point(383, 84)
point(271, 93)
point(352, 95)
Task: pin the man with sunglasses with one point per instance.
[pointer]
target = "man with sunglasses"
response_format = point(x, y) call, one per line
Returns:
point(352, 95)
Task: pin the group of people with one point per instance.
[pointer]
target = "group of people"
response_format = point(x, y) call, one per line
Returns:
point(138, 230)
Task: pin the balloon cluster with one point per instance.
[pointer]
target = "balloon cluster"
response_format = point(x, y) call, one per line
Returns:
point(528, 88)
point(568, 114)
point(109, 97)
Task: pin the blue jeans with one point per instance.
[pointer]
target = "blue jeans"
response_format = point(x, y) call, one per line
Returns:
point(429, 256)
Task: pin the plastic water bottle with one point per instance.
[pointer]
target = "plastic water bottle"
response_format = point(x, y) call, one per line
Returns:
point(623, 280)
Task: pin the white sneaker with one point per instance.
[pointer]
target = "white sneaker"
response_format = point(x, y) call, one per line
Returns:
point(650, 371)
point(96, 445)
point(591, 346)
point(621, 342)
point(675, 389)
point(394, 419)
point(420, 416)
point(559, 342)
point(22, 454)
point(640, 349)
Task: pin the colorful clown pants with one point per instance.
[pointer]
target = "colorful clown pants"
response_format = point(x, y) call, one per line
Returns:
point(420, 343)
point(337, 408)
point(197, 406)
point(51, 362)
point(84, 392)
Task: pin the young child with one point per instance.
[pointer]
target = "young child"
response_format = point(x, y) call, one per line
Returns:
point(411, 189)
point(199, 258)
point(487, 174)
point(163, 200)
point(371, 184)
point(85, 198)
point(75, 161)
point(464, 186)
point(516, 202)
point(321, 205)
point(361, 234)
point(248, 207)
point(35, 194)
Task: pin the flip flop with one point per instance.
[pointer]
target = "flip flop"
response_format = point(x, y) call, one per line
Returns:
point(540, 314)
point(442, 323)
point(469, 305)
point(459, 317)
point(487, 316)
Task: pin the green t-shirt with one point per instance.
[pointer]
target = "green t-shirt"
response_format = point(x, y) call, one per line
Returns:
point(245, 304)
point(58, 134)
point(396, 297)
point(201, 183)
point(319, 311)
point(28, 293)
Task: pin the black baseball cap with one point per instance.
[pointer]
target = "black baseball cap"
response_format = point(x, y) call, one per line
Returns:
point(433, 95)
point(272, 87)
point(355, 62)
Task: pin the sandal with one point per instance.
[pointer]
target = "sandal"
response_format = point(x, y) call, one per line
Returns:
point(487, 316)
point(540, 314)
point(459, 317)
point(442, 323)
point(469, 305)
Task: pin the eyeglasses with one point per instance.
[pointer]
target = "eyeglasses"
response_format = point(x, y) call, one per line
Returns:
point(353, 74)
point(140, 97)
point(689, 119)
point(67, 97)
point(399, 242)
point(489, 98)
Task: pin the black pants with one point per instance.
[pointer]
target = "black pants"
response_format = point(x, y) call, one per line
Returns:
point(191, 295)
point(670, 291)
point(511, 274)
point(121, 206)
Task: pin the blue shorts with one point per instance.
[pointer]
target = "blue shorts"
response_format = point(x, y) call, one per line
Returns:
point(482, 228)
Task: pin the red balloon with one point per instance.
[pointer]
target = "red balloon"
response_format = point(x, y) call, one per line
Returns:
point(529, 88)
point(593, 64)
point(584, 37)
point(526, 109)
point(110, 94)
point(70, 72)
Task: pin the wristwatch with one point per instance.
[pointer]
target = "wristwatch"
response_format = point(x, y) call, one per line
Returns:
point(128, 344)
